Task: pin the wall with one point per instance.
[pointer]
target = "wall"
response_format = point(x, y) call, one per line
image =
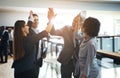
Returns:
point(10, 15)
point(9, 18)
point(66, 4)
point(108, 21)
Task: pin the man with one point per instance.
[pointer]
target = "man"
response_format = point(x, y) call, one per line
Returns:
point(4, 45)
point(10, 32)
point(33, 23)
point(69, 35)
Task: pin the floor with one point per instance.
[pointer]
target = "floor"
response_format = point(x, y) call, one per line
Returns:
point(51, 69)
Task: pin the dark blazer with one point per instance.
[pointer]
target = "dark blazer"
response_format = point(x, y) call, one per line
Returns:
point(4, 40)
point(29, 45)
point(68, 49)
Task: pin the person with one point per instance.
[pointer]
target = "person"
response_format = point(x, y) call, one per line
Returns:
point(68, 33)
point(24, 54)
point(86, 66)
point(33, 23)
point(4, 45)
point(10, 32)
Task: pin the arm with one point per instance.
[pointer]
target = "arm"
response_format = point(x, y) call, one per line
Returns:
point(78, 36)
point(50, 28)
point(6, 36)
point(51, 15)
point(56, 32)
point(34, 38)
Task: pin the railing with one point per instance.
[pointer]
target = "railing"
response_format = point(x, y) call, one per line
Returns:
point(113, 43)
point(100, 52)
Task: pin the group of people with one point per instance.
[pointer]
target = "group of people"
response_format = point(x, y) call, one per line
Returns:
point(80, 63)
point(5, 44)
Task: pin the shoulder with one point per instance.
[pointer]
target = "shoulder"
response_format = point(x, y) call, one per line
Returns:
point(92, 42)
point(67, 27)
point(5, 32)
point(31, 31)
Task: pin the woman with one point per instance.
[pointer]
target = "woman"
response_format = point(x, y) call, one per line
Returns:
point(87, 66)
point(25, 50)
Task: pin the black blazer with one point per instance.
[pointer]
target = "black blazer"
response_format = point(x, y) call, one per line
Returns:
point(4, 40)
point(29, 45)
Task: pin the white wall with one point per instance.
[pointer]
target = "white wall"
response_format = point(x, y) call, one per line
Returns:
point(66, 4)
point(9, 18)
point(107, 19)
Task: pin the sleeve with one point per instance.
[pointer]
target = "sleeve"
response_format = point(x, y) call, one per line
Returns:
point(89, 59)
point(6, 36)
point(79, 37)
point(58, 32)
point(34, 38)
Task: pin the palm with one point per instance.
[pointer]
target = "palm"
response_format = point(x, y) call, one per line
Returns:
point(31, 13)
point(51, 14)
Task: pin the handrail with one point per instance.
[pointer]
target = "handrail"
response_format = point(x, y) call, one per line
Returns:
point(110, 54)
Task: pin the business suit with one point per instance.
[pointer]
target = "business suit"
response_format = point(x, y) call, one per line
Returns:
point(4, 46)
point(28, 63)
point(38, 53)
point(65, 56)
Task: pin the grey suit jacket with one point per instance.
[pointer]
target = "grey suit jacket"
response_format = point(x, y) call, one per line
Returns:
point(68, 49)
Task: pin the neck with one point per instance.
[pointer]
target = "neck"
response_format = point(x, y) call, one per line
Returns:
point(87, 36)
point(25, 34)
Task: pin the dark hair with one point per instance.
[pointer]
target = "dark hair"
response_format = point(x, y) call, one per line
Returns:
point(3, 28)
point(29, 23)
point(33, 16)
point(91, 26)
point(18, 39)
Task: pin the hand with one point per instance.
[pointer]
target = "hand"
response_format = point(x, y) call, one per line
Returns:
point(77, 22)
point(31, 13)
point(83, 76)
point(43, 55)
point(51, 14)
point(31, 16)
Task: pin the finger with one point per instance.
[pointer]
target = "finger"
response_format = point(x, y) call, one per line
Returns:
point(31, 12)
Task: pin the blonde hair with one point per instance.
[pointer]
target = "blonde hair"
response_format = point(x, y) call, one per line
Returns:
point(77, 21)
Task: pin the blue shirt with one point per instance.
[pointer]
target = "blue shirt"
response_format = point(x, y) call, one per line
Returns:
point(87, 62)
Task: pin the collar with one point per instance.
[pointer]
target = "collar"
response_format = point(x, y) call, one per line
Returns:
point(35, 30)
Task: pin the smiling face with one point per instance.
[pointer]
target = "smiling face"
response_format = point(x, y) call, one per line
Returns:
point(25, 30)
point(36, 21)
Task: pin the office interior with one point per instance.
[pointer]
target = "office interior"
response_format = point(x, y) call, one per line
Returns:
point(107, 11)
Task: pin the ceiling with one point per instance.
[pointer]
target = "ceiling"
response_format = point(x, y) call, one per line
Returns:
point(26, 5)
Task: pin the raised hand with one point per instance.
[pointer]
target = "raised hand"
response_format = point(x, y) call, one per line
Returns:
point(31, 13)
point(31, 16)
point(51, 14)
point(77, 22)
